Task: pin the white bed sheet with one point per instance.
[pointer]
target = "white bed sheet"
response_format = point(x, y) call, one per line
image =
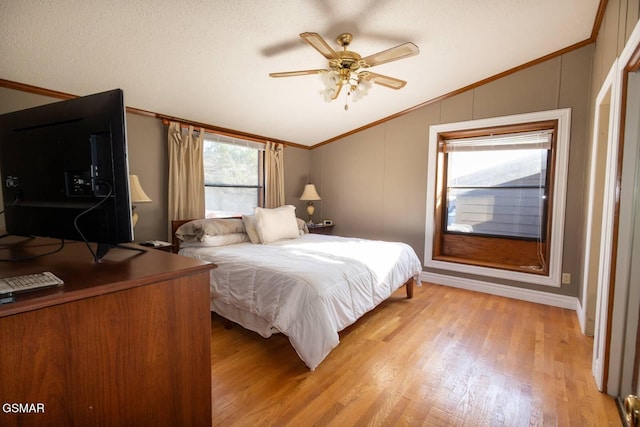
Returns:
point(308, 288)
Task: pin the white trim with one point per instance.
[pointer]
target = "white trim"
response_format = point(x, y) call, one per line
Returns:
point(582, 317)
point(563, 116)
point(604, 90)
point(607, 89)
point(522, 294)
point(606, 239)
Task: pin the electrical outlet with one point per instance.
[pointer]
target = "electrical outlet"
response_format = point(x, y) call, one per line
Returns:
point(566, 278)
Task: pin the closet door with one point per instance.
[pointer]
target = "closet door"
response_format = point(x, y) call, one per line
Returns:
point(628, 265)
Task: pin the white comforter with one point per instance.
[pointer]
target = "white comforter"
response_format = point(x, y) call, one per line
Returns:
point(308, 288)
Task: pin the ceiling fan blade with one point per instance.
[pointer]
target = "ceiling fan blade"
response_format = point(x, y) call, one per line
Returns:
point(319, 44)
point(404, 50)
point(296, 73)
point(390, 82)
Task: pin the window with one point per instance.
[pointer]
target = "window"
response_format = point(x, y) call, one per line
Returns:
point(233, 176)
point(498, 185)
point(495, 203)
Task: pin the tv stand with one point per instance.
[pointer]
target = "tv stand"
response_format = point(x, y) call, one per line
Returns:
point(123, 342)
point(103, 248)
point(2, 236)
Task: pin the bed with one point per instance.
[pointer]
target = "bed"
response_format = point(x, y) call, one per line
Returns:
point(307, 286)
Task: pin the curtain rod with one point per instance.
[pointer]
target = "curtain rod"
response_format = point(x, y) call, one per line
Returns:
point(225, 132)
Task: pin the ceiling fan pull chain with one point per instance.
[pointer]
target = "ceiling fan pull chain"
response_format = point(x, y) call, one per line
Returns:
point(346, 100)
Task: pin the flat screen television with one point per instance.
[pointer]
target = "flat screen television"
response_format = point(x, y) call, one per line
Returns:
point(65, 171)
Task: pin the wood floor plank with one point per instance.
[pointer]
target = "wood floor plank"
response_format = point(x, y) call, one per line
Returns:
point(447, 357)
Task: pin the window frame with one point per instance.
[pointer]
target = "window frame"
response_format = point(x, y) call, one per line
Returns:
point(260, 187)
point(542, 127)
point(466, 254)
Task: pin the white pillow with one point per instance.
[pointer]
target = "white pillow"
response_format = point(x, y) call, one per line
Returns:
point(198, 228)
point(276, 224)
point(250, 227)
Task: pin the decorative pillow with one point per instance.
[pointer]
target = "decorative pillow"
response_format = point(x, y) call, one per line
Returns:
point(302, 226)
point(276, 224)
point(194, 231)
point(250, 227)
point(220, 240)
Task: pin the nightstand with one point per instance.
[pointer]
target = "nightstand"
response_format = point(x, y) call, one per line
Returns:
point(168, 247)
point(320, 229)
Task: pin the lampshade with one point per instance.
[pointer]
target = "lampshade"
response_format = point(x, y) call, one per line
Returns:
point(356, 83)
point(135, 189)
point(310, 193)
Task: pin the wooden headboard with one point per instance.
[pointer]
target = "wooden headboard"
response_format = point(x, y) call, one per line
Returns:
point(175, 242)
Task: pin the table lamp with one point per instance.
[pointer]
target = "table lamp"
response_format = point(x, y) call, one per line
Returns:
point(309, 195)
point(137, 196)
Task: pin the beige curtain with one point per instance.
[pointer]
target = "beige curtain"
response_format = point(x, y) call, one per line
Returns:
point(274, 175)
point(186, 173)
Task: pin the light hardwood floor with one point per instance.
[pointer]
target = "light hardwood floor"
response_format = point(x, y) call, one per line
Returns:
point(448, 357)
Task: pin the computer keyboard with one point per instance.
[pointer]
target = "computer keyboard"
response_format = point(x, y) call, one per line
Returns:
point(29, 282)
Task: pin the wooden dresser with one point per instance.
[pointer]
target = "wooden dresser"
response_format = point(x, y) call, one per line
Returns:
point(125, 342)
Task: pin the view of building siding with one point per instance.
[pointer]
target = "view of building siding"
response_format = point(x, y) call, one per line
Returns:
point(498, 193)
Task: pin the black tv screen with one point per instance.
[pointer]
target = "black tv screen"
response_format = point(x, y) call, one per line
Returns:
point(65, 170)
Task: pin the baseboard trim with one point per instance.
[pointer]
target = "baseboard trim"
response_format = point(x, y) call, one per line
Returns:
point(539, 297)
point(582, 317)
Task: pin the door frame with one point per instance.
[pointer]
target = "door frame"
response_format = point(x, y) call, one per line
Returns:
point(608, 93)
point(611, 320)
point(627, 299)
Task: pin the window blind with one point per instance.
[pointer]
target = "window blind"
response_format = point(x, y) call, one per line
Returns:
point(214, 137)
point(513, 141)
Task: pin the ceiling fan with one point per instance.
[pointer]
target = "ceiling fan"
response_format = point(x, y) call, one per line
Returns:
point(345, 66)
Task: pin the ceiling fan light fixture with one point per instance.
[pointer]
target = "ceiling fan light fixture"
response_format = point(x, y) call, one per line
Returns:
point(361, 89)
point(331, 79)
point(344, 66)
point(329, 94)
point(332, 83)
point(357, 83)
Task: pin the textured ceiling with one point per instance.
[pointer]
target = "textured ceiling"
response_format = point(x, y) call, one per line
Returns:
point(208, 61)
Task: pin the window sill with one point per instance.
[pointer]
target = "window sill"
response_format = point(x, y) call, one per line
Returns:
point(493, 271)
point(494, 265)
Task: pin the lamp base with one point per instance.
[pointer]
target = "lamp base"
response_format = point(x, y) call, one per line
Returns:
point(310, 210)
point(134, 216)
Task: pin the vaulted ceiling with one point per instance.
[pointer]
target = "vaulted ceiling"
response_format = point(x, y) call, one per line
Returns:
point(209, 61)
